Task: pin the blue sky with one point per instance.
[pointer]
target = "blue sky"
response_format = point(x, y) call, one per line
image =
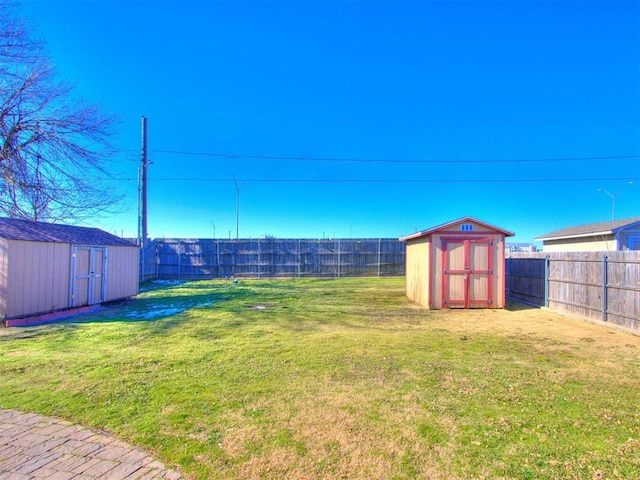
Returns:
point(361, 119)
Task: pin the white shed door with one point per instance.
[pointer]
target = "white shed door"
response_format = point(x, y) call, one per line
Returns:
point(89, 276)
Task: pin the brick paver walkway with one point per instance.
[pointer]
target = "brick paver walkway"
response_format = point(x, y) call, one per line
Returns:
point(37, 447)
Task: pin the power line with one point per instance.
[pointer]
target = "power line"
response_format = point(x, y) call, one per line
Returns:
point(386, 181)
point(374, 160)
point(420, 122)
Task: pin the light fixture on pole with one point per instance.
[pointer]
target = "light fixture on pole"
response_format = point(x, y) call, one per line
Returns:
point(613, 203)
point(613, 200)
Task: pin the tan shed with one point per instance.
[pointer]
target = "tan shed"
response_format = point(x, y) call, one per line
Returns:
point(47, 268)
point(459, 264)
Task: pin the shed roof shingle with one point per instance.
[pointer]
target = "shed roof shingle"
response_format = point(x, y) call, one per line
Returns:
point(454, 222)
point(591, 228)
point(16, 229)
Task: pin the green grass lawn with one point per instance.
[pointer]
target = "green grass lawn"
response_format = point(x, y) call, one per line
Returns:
point(333, 379)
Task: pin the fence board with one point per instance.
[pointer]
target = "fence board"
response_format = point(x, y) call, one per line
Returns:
point(215, 258)
point(623, 289)
point(525, 278)
point(594, 285)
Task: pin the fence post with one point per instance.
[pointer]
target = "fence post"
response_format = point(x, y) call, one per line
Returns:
point(379, 253)
point(141, 252)
point(546, 280)
point(507, 267)
point(156, 260)
point(178, 252)
point(218, 256)
point(299, 258)
point(339, 245)
point(603, 296)
point(259, 264)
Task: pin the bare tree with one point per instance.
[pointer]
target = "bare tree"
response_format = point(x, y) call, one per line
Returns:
point(54, 149)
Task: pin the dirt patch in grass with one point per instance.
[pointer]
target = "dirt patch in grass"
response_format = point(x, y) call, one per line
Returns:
point(544, 328)
point(259, 307)
point(18, 354)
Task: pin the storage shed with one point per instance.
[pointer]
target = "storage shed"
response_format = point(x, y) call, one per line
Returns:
point(47, 268)
point(459, 264)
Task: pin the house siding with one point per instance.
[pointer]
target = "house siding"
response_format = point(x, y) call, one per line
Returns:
point(602, 243)
point(616, 235)
point(625, 237)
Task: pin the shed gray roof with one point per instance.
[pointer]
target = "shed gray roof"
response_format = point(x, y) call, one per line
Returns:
point(15, 229)
point(591, 229)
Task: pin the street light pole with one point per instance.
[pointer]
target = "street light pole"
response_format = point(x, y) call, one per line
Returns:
point(237, 207)
point(613, 203)
point(613, 199)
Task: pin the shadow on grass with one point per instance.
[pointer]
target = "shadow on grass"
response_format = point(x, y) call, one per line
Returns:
point(298, 305)
point(150, 309)
point(160, 313)
point(515, 306)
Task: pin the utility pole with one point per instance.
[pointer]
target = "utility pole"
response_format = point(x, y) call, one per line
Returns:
point(144, 233)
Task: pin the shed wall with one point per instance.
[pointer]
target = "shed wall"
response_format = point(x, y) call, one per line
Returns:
point(418, 277)
point(122, 272)
point(4, 278)
point(38, 275)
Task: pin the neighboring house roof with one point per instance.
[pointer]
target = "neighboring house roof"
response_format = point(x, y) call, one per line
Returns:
point(454, 222)
point(592, 229)
point(15, 229)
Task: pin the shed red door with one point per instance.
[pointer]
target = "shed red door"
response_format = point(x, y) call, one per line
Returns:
point(467, 275)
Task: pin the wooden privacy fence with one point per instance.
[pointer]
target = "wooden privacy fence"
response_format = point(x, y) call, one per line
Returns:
point(268, 258)
point(595, 285)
